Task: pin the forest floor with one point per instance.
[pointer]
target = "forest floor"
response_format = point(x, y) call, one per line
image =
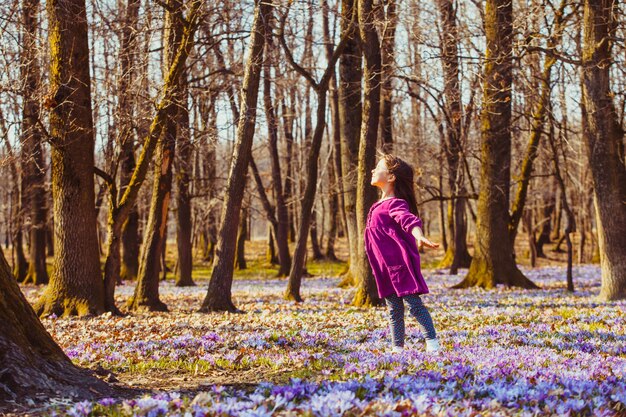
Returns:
point(505, 351)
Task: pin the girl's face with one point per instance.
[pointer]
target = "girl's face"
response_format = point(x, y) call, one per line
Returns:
point(381, 175)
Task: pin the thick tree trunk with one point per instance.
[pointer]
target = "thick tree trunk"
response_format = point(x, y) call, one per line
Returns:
point(366, 292)
point(493, 261)
point(32, 363)
point(350, 76)
point(604, 138)
point(76, 287)
point(218, 297)
point(33, 164)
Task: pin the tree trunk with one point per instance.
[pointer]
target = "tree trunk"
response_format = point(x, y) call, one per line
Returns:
point(146, 296)
point(242, 233)
point(350, 75)
point(366, 292)
point(571, 225)
point(604, 138)
point(282, 212)
point(538, 121)
point(183, 179)
point(308, 199)
point(388, 34)
point(76, 286)
point(457, 255)
point(337, 206)
point(218, 297)
point(33, 163)
point(130, 232)
point(289, 114)
point(493, 261)
point(315, 244)
point(165, 114)
point(32, 363)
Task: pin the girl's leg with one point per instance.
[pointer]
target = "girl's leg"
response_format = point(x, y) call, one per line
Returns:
point(396, 316)
point(419, 311)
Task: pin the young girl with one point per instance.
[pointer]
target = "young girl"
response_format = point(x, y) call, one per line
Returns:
point(392, 238)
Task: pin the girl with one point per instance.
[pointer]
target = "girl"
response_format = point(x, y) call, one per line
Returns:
point(393, 229)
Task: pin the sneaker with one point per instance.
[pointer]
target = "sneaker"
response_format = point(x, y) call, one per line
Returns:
point(432, 345)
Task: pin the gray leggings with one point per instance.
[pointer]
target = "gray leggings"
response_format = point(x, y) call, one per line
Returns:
point(417, 309)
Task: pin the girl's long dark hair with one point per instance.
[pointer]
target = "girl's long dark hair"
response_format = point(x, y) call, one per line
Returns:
point(403, 187)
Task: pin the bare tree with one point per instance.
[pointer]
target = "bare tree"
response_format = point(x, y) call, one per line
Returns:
point(76, 286)
point(604, 138)
point(218, 297)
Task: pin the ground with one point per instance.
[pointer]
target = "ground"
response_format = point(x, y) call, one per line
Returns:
point(505, 352)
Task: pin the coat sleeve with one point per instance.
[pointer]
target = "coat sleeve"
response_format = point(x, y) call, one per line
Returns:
point(399, 212)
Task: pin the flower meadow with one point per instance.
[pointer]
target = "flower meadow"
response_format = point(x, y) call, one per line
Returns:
point(506, 352)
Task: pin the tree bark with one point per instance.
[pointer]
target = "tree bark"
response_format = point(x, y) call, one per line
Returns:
point(366, 292)
point(183, 204)
point(350, 76)
point(308, 199)
point(165, 112)
point(76, 286)
point(604, 138)
point(218, 297)
point(33, 163)
point(493, 262)
point(242, 233)
point(388, 34)
point(282, 213)
point(146, 296)
point(130, 231)
point(538, 121)
point(31, 362)
point(457, 255)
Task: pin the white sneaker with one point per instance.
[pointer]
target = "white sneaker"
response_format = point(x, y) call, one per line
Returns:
point(397, 349)
point(432, 345)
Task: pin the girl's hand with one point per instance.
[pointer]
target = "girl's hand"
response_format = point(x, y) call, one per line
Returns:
point(423, 242)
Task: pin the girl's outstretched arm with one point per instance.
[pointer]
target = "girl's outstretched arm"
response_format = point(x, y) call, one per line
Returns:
point(421, 239)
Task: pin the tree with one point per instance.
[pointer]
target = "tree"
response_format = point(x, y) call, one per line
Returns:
point(126, 142)
point(146, 294)
point(281, 222)
point(183, 200)
point(321, 88)
point(350, 76)
point(31, 362)
point(76, 286)
point(366, 293)
point(493, 262)
point(218, 297)
point(604, 138)
point(456, 255)
point(33, 160)
point(121, 205)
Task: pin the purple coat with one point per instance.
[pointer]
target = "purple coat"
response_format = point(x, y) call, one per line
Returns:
point(392, 249)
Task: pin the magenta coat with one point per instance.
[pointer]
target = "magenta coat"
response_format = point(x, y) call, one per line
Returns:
point(392, 249)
